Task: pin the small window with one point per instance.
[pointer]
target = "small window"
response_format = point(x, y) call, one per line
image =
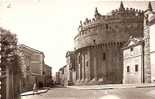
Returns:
point(103, 56)
point(136, 68)
point(131, 49)
point(128, 68)
point(94, 41)
point(87, 63)
point(63, 71)
point(106, 26)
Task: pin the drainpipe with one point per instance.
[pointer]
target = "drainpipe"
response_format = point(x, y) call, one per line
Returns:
point(143, 69)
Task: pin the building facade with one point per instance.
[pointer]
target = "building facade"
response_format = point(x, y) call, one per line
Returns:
point(33, 67)
point(66, 76)
point(47, 75)
point(98, 54)
point(133, 61)
point(139, 64)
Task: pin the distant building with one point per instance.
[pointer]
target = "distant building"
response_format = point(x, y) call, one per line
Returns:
point(133, 61)
point(61, 71)
point(47, 74)
point(57, 78)
point(33, 66)
point(70, 68)
point(65, 75)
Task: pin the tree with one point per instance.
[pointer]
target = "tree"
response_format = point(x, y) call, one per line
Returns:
point(10, 61)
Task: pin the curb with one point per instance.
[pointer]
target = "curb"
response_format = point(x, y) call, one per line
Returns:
point(100, 89)
point(109, 87)
point(144, 86)
point(35, 93)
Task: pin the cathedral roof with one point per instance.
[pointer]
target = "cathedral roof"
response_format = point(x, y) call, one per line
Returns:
point(133, 41)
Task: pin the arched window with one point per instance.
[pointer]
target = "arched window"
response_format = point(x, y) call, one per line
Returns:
point(128, 68)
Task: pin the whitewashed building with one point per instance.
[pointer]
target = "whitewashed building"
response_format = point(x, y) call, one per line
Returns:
point(133, 61)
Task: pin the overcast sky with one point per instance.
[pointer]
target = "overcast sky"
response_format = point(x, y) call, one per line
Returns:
point(50, 25)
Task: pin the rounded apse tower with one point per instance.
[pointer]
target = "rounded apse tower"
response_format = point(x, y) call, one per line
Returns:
point(98, 55)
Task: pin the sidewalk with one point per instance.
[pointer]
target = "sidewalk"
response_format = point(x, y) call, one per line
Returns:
point(112, 86)
point(31, 92)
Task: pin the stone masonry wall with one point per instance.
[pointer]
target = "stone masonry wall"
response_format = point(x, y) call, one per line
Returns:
point(100, 64)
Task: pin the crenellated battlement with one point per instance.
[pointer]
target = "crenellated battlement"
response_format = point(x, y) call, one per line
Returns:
point(103, 45)
point(127, 13)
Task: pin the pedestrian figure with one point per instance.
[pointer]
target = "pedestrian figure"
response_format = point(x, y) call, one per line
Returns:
point(35, 90)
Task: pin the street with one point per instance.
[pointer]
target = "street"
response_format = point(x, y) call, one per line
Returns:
point(70, 93)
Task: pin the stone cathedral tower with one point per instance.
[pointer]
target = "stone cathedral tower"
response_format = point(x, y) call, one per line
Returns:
point(149, 48)
point(98, 54)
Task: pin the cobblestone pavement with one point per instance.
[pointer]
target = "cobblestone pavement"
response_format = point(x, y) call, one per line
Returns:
point(69, 93)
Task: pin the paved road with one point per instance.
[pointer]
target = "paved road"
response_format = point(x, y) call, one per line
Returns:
point(69, 93)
